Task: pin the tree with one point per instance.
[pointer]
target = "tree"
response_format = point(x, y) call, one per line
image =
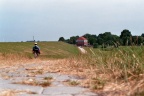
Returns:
point(134, 40)
point(95, 45)
point(142, 35)
point(107, 36)
point(125, 37)
point(91, 38)
point(87, 36)
point(140, 40)
point(67, 40)
point(108, 39)
point(137, 40)
point(100, 41)
point(73, 39)
point(61, 39)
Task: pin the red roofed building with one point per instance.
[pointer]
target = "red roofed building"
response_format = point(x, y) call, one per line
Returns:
point(81, 41)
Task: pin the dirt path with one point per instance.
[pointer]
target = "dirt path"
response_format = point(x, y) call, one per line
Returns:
point(82, 50)
point(31, 80)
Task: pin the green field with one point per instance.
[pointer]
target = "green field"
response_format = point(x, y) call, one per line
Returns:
point(48, 49)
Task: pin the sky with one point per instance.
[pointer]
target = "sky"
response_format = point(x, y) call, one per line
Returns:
point(47, 20)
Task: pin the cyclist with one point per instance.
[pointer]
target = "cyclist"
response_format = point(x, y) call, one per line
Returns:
point(36, 50)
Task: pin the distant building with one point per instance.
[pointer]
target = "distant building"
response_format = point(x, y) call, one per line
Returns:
point(81, 41)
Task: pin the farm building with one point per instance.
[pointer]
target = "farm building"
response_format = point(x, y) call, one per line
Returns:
point(81, 41)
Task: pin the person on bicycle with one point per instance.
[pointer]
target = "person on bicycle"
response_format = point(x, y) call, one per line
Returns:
point(36, 49)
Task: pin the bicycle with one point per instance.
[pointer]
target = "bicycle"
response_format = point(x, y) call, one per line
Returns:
point(36, 54)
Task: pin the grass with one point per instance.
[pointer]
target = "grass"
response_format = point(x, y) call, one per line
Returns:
point(115, 71)
point(33, 82)
point(123, 65)
point(73, 82)
point(97, 83)
point(52, 50)
point(48, 78)
point(14, 92)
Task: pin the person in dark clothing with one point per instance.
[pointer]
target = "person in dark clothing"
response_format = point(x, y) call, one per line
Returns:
point(36, 50)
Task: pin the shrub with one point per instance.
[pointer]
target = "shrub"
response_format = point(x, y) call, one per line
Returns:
point(95, 45)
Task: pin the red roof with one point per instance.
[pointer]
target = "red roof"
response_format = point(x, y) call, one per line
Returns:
point(81, 38)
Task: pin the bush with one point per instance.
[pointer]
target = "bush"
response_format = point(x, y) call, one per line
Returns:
point(95, 45)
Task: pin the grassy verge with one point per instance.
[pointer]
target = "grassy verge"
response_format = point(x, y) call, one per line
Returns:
point(120, 69)
point(109, 72)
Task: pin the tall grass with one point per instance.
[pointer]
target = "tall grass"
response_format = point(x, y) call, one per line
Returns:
point(123, 65)
point(126, 60)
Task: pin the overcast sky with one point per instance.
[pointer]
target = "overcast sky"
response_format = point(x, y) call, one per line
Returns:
point(47, 20)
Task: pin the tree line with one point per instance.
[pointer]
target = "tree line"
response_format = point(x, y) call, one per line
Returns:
point(107, 39)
